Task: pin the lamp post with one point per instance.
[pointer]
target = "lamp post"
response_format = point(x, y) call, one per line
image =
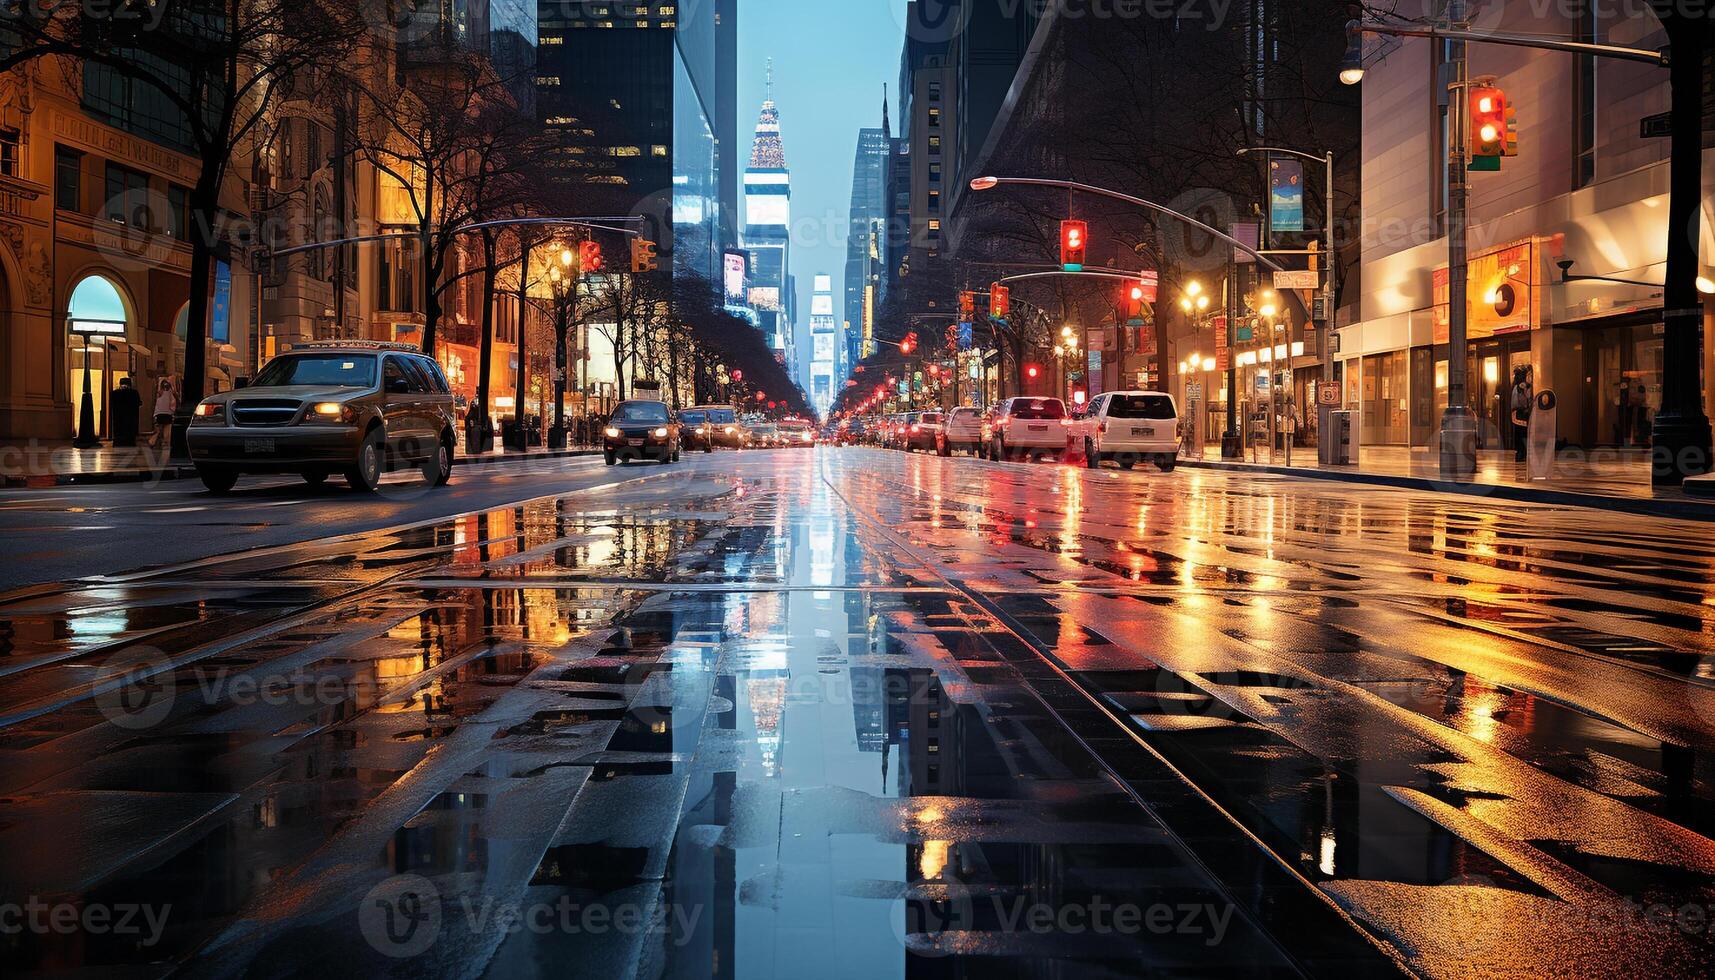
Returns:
point(1330, 284)
point(1680, 438)
point(565, 286)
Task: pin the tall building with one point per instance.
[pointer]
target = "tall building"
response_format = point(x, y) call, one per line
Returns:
point(767, 229)
point(632, 103)
point(728, 149)
point(869, 186)
point(824, 341)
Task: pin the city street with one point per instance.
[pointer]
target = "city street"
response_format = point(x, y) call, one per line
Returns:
point(756, 714)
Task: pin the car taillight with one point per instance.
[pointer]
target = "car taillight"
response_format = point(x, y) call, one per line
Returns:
point(1066, 422)
point(1102, 427)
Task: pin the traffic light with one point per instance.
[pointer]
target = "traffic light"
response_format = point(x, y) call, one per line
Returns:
point(643, 253)
point(1487, 138)
point(1074, 244)
point(589, 257)
point(1134, 296)
point(967, 305)
point(909, 344)
point(1031, 371)
point(1000, 301)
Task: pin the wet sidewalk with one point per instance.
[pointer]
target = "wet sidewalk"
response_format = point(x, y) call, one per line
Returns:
point(1603, 478)
point(50, 463)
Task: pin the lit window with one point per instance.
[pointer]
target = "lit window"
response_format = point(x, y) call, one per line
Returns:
point(658, 150)
point(9, 152)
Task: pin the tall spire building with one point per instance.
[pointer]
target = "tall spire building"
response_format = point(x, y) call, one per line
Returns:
point(767, 230)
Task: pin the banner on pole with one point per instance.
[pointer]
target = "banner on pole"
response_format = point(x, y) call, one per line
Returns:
point(1285, 195)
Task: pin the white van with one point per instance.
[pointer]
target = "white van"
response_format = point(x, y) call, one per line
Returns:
point(1126, 426)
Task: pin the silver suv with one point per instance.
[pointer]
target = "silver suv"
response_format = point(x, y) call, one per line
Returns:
point(358, 408)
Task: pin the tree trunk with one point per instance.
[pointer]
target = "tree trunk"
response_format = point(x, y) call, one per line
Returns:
point(205, 210)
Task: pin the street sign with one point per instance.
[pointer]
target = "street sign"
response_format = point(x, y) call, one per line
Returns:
point(1328, 393)
point(1194, 391)
point(1262, 382)
point(1296, 279)
point(1244, 333)
point(966, 336)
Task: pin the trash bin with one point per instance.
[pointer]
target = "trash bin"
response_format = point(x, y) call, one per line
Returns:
point(512, 435)
point(478, 438)
point(125, 408)
point(1339, 444)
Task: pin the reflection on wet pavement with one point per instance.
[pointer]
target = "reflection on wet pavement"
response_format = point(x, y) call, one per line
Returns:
point(871, 715)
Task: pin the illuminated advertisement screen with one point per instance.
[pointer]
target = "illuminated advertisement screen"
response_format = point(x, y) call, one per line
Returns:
point(734, 276)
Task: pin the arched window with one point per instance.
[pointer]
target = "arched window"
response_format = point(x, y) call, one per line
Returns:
point(95, 307)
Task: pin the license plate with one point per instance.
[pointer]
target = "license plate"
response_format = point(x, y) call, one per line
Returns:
point(1143, 432)
point(258, 445)
point(634, 442)
point(1039, 428)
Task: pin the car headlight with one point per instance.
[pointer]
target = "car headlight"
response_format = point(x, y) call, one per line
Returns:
point(209, 413)
point(661, 433)
point(333, 412)
point(729, 430)
point(611, 432)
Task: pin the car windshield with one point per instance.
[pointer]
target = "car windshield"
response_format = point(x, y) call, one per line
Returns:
point(931, 418)
point(640, 412)
point(721, 416)
point(1038, 408)
point(339, 370)
point(1140, 407)
point(963, 414)
point(691, 418)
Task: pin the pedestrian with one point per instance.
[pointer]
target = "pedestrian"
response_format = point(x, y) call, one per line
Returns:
point(166, 403)
point(126, 406)
point(1521, 403)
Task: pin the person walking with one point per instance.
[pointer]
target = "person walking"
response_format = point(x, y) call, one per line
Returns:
point(166, 403)
point(1522, 397)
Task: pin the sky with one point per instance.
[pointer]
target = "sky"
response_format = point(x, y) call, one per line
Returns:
point(831, 59)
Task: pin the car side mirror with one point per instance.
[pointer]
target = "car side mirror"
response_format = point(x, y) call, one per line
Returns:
point(398, 386)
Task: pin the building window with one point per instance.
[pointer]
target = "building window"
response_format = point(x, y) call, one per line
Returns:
point(1584, 98)
point(935, 201)
point(178, 212)
point(68, 179)
point(934, 116)
point(934, 144)
point(128, 197)
point(934, 90)
point(9, 152)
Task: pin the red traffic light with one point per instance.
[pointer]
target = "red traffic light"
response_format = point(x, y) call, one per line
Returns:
point(589, 257)
point(1000, 301)
point(934, 370)
point(760, 396)
point(1488, 121)
point(1031, 371)
point(771, 405)
point(967, 305)
point(737, 375)
point(1074, 244)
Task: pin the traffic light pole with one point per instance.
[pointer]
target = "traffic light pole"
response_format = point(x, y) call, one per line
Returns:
point(1458, 450)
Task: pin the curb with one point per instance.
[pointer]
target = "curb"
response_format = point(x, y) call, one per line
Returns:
point(1682, 509)
point(185, 471)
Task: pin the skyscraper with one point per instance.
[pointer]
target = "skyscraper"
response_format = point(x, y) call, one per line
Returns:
point(767, 229)
point(824, 334)
point(630, 104)
point(869, 185)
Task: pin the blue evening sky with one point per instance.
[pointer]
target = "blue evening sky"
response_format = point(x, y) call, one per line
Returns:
point(831, 58)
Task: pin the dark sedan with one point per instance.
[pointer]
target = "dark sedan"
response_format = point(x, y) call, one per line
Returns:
point(641, 430)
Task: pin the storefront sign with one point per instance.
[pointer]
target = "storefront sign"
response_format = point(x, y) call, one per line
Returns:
point(1328, 393)
point(220, 323)
point(1194, 391)
point(1502, 294)
point(1297, 279)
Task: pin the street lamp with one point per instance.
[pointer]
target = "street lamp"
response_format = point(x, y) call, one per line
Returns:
point(1352, 63)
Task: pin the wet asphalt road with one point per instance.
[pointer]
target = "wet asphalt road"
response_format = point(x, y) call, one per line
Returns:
point(856, 713)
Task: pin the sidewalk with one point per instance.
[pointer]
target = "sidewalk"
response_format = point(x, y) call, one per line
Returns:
point(40, 464)
point(1616, 480)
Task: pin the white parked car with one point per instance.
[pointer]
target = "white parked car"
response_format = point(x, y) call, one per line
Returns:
point(1027, 426)
point(1128, 426)
point(961, 429)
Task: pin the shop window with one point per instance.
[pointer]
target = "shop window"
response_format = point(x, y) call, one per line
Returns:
point(68, 179)
point(1584, 98)
point(178, 212)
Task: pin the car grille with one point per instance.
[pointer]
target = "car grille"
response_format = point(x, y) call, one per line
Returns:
point(265, 411)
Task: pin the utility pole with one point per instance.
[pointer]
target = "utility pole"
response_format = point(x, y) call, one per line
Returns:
point(1458, 451)
point(1232, 446)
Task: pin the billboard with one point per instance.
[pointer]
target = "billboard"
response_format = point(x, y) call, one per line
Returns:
point(821, 304)
point(822, 347)
point(1285, 195)
point(765, 298)
point(733, 268)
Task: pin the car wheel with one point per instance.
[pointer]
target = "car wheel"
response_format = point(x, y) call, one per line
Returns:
point(997, 450)
point(315, 478)
point(1165, 462)
point(1127, 461)
point(1092, 459)
point(610, 458)
point(438, 468)
point(365, 473)
point(218, 479)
